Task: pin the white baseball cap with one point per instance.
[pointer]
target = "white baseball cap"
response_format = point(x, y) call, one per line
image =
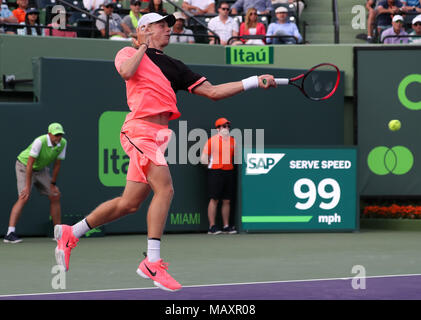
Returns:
point(416, 19)
point(179, 15)
point(281, 9)
point(155, 17)
point(397, 18)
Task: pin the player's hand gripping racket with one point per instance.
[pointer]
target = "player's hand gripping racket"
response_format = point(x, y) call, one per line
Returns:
point(319, 83)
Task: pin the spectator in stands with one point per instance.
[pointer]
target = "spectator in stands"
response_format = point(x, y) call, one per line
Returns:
point(262, 6)
point(282, 27)
point(92, 5)
point(386, 9)
point(179, 34)
point(156, 6)
point(20, 11)
point(132, 19)
point(416, 26)
point(371, 19)
point(6, 16)
point(218, 154)
point(223, 25)
point(116, 24)
point(32, 19)
point(252, 27)
point(199, 7)
point(396, 30)
point(412, 5)
point(56, 31)
point(292, 3)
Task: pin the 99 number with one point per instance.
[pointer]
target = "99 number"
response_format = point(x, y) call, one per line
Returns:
point(334, 195)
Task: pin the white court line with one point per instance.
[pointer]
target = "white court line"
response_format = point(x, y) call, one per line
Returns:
point(209, 285)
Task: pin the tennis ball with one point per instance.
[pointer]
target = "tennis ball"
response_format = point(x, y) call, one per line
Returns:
point(394, 125)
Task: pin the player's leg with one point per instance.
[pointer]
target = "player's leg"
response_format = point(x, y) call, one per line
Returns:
point(133, 196)
point(153, 267)
point(68, 236)
point(160, 181)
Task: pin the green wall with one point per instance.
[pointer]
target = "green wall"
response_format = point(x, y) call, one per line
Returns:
point(16, 53)
point(81, 93)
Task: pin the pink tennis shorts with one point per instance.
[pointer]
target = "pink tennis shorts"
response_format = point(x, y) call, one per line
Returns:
point(143, 142)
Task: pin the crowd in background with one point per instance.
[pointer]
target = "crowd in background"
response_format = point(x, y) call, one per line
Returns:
point(241, 19)
point(237, 22)
point(394, 21)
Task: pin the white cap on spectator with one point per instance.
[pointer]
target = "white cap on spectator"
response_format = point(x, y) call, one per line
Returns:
point(155, 17)
point(416, 19)
point(281, 9)
point(179, 15)
point(397, 18)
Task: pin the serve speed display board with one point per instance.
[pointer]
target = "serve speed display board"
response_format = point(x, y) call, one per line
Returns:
point(299, 189)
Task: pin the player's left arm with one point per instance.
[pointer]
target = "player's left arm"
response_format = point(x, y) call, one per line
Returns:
point(229, 89)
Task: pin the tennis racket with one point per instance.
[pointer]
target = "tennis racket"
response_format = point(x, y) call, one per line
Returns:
point(318, 84)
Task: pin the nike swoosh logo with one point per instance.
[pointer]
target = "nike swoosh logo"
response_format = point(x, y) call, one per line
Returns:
point(150, 271)
point(67, 244)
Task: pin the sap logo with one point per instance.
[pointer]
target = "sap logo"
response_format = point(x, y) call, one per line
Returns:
point(262, 163)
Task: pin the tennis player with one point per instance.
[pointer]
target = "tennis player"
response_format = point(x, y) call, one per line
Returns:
point(152, 79)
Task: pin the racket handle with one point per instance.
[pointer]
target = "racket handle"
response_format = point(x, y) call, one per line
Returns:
point(279, 81)
point(282, 81)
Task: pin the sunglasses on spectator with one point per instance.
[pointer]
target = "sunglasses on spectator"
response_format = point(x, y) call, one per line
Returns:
point(226, 9)
point(417, 24)
point(253, 13)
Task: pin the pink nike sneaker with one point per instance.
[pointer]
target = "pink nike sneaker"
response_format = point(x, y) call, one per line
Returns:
point(157, 271)
point(66, 241)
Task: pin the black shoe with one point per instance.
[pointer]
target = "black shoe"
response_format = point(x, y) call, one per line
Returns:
point(214, 230)
point(229, 230)
point(12, 238)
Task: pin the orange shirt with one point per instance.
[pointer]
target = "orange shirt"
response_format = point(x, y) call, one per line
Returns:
point(221, 152)
point(19, 14)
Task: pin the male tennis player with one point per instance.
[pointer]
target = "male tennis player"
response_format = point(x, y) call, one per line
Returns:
point(152, 79)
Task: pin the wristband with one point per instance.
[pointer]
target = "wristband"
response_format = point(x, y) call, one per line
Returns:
point(147, 47)
point(250, 83)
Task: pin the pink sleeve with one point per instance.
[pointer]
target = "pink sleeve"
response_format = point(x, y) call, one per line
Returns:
point(122, 56)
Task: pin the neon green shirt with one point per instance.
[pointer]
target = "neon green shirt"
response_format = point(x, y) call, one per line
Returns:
point(44, 152)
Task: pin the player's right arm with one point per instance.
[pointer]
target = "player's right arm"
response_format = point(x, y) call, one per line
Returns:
point(129, 66)
point(229, 89)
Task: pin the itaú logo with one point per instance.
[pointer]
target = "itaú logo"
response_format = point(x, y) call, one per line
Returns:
point(396, 160)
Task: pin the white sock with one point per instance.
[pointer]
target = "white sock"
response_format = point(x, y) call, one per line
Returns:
point(154, 250)
point(10, 230)
point(80, 228)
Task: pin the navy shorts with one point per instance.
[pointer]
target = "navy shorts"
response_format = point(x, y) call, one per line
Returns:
point(220, 184)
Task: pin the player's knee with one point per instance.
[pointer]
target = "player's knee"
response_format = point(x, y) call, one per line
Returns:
point(54, 197)
point(128, 207)
point(167, 191)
